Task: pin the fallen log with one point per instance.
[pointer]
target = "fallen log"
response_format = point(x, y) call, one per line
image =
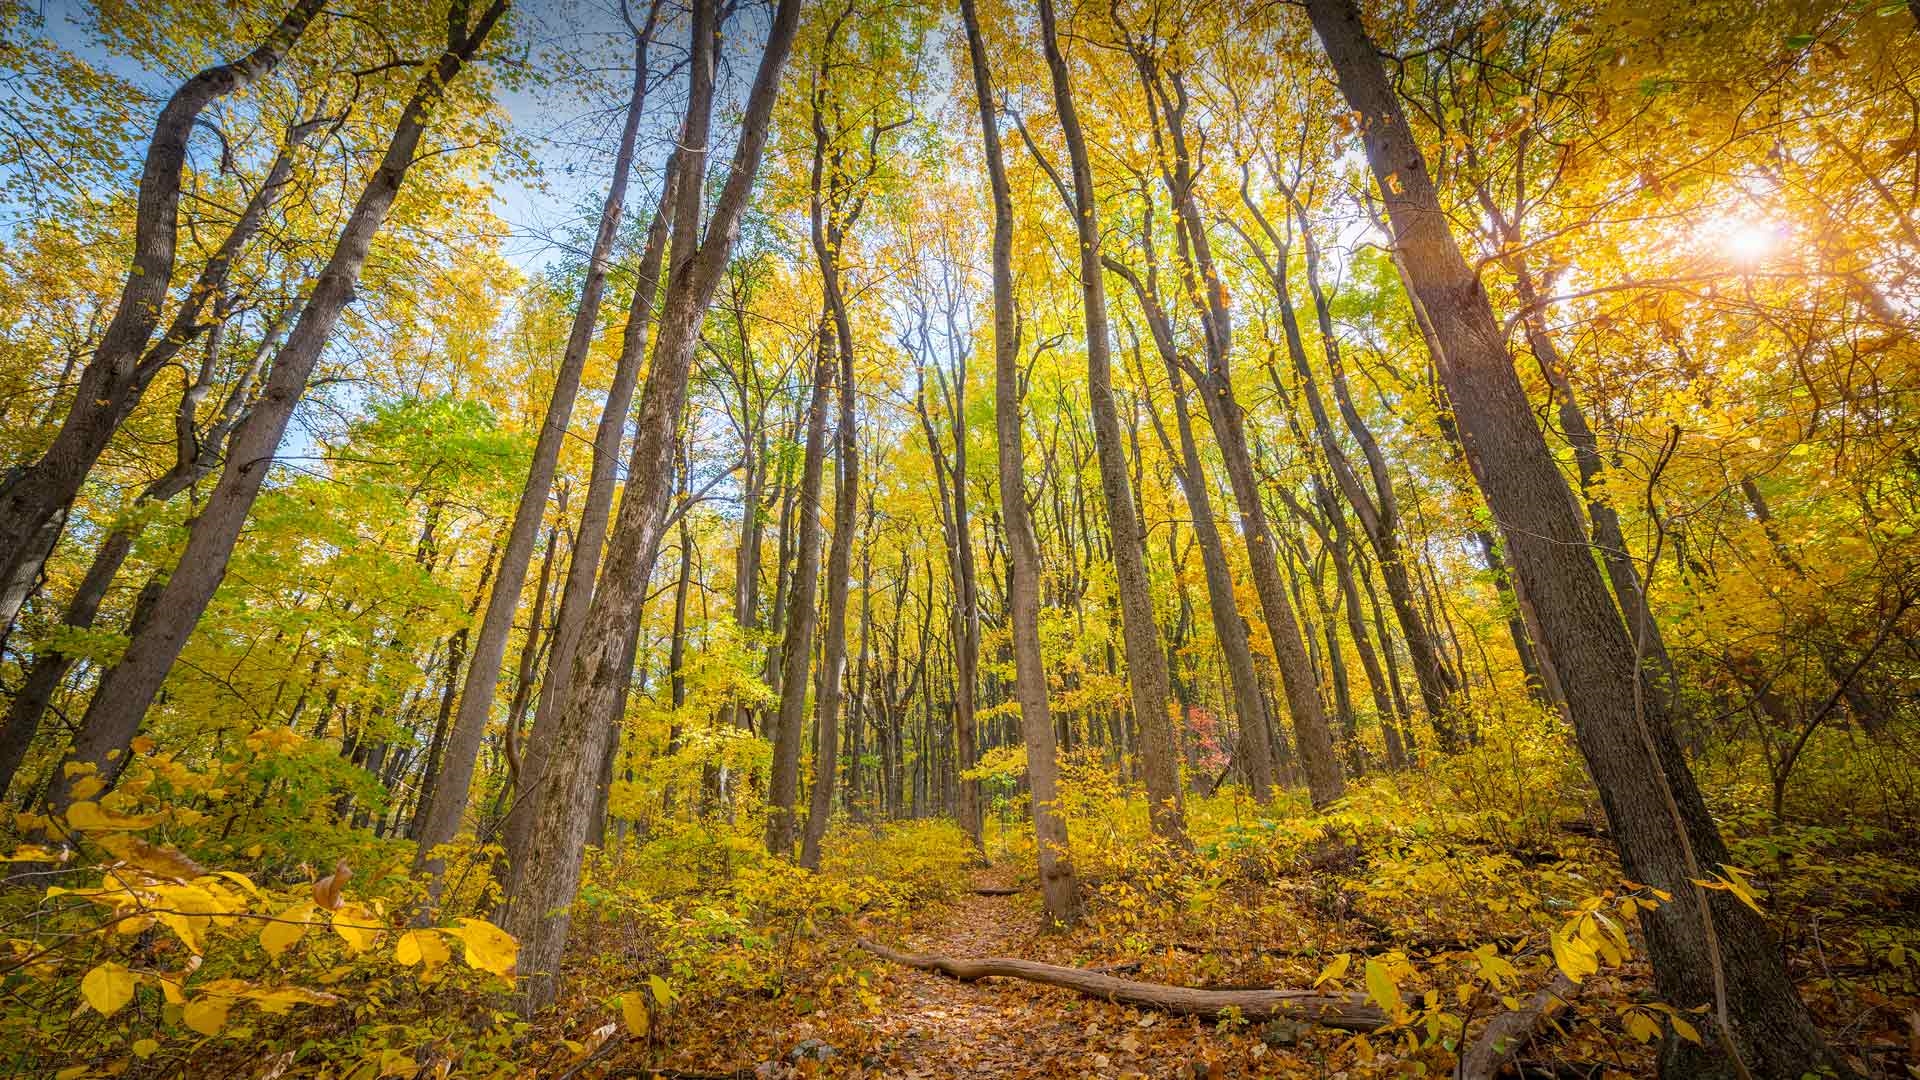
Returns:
point(997, 890)
point(1500, 1041)
point(1348, 1012)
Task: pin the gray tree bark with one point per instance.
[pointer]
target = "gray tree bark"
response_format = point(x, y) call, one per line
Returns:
point(542, 893)
point(441, 821)
point(34, 501)
point(1707, 947)
point(1146, 664)
point(127, 689)
point(1023, 550)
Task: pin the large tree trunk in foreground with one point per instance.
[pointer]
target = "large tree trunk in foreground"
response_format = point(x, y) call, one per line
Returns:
point(1707, 947)
point(111, 384)
point(1146, 664)
point(1348, 1012)
point(576, 595)
point(128, 688)
point(441, 820)
point(1023, 551)
point(541, 898)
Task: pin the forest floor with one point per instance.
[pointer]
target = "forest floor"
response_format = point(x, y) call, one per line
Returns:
point(921, 1025)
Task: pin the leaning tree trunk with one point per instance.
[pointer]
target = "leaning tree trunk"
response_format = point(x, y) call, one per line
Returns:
point(441, 820)
point(543, 891)
point(577, 592)
point(1146, 664)
point(196, 454)
point(128, 688)
point(1708, 948)
point(33, 504)
point(1215, 384)
point(1255, 755)
point(1023, 550)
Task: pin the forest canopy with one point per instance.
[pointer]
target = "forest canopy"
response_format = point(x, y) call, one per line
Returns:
point(872, 538)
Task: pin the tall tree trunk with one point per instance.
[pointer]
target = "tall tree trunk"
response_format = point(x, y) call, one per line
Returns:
point(128, 688)
point(1707, 947)
point(796, 650)
point(34, 502)
point(542, 889)
point(456, 655)
point(1023, 551)
point(1229, 628)
point(1146, 665)
point(441, 821)
point(576, 596)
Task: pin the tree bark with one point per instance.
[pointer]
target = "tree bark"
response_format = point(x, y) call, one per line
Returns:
point(1146, 665)
point(796, 650)
point(33, 503)
point(1707, 947)
point(196, 454)
point(1023, 550)
point(541, 895)
point(128, 688)
point(576, 596)
point(441, 821)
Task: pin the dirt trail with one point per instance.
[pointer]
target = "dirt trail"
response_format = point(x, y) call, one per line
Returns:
point(934, 1026)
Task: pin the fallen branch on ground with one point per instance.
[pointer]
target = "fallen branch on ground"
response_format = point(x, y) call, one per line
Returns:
point(1348, 1012)
point(997, 890)
point(1500, 1041)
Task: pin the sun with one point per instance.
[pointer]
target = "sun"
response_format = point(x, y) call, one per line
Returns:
point(1743, 239)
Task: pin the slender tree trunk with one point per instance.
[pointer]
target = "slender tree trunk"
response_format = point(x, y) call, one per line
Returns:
point(541, 893)
point(1707, 947)
point(796, 650)
point(1229, 628)
point(456, 655)
point(1023, 551)
point(128, 688)
point(1146, 665)
point(441, 821)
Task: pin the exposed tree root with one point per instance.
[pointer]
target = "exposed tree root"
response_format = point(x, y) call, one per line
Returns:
point(1348, 1012)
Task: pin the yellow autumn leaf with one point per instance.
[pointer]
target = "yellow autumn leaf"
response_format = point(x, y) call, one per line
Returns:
point(357, 925)
point(108, 988)
point(489, 948)
point(279, 999)
point(426, 947)
point(1335, 970)
point(208, 1014)
point(633, 1010)
point(286, 928)
point(1575, 958)
point(1382, 989)
point(145, 1048)
point(661, 993)
point(89, 816)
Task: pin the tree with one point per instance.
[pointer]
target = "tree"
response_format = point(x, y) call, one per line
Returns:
point(113, 716)
point(544, 886)
point(34, 501)
point(1023, 572)
point(1146, 664)
point(1708, 948)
